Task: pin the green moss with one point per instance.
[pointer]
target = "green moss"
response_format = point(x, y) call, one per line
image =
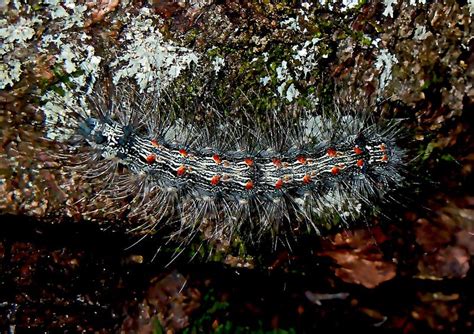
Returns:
point(213, 318)
point(156, 327)
point(448, 158)
point(428, 151)
point(434, 80)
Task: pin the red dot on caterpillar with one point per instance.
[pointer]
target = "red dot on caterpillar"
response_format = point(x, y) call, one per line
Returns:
point(384, 158)
point(248, 161)
point(215, 180)
point(181, 170)
point(301, 159)
point(183, 152)
point(357, 150)
point(306, 179)
point(276, 162)
point(154, 142)
point(331, 152)
point(249, 185)
point(279, 184)
point(217, 159)
point(151, 158)
point(335, 170)
point(360, 163)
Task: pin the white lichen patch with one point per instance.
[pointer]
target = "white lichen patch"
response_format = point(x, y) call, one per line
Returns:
point(470, 4)
point(304, 59)
point(282, 71)
point(291, 23)
point(17, 33)
point(389, 7)
point(264, 80)
point(10, 73)
point(67, 12)
point(218, 63)
point(292, 93)
point(13, 39)
point(420, 33)
point(384, 63)
point(388, 11)
point(18, 43)
point(346, 4)
point(60, 111)
point(142, 55)
point(349, 4)
point(306, 56)
point(414, 2)
point(148, 59)
point(327, 3)
point(76, 57)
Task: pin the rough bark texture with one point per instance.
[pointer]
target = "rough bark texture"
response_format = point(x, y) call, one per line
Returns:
point(411, 272)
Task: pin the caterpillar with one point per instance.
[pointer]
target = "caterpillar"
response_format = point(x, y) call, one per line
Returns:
point(159, 169)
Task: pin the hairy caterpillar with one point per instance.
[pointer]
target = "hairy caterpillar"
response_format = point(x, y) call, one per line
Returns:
point(322, 170)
